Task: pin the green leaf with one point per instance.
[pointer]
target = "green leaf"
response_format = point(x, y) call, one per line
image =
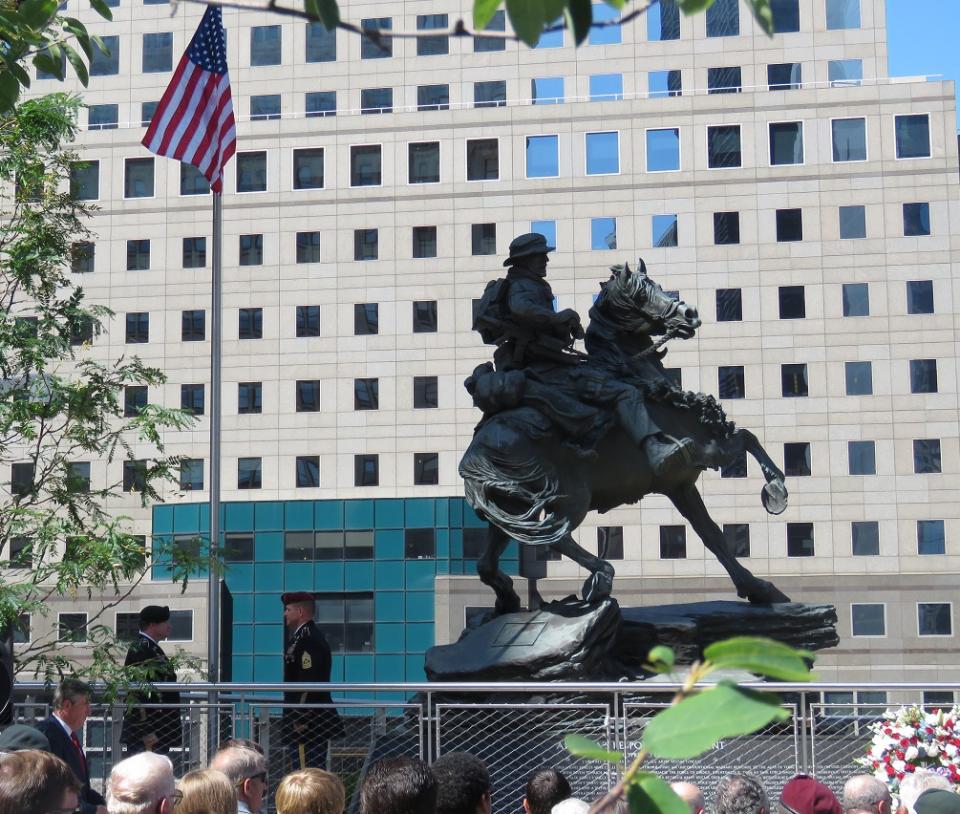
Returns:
point(648, 794)
point(553, 11)
point(579, 16)
point(617, 4)
point(38, 13)
point(579, 746)
point(17, 70)
point(661, 659)
point(101, 45)
point(9, 89)
point(324, 10)
point(78, 64)
point(690, 728)
point(483, 11)
point(765, 657)
point(527, 19)
point(762, 14)
point(79, 31)
point(694, 6)
point(102, 9)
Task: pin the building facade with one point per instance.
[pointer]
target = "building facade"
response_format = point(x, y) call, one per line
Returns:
point(805, 201)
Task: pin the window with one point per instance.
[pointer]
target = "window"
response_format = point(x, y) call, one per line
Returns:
point(724, 80)
point(849, 139)
point(610, 542)
point(193, 326)
point(250, 323)
point(426, 469)
point(308, 396)
point(606, 87)
point(365, 244)
point(923, 375)
point(730, 382)
point(865, 538)
point(320, 103)
point(784, 76)
point(729, 305)
point(603, 233)
point(673, 542)
point(920, 297)
point(663, 150)
point(425, 317)
point(859, 378)
point(376, 100)
point(786, 143)
point(931, 538)
point(81, 331)
point(736, 467)
point(252, 171)
point(726, 228)
point(868, 619)
point(937, 698)
point(424, 392)
point(547, 228)
point(664, 231)
point(543, 158)
point(861, 458)
point(843, 14)
point(433, 45)
point(423, 162)
point(916, 219)
point(346, 620)
point(106, 64)
point(497, 23)
point(21, 630)
point(192, 181)
point(147, 109)
point(21, 478)
point(72, 627)
point(102, 117)
point(376, 47)
point(483, 238)
point(856, 299)
point(547, 90)
point(926, 456)
point(58, 74)
point(844, 72)
point(308, 320)
point(134, 476)
point(308, 247)
point(552, 38)
point(433, 97)
point(157, 52)
point(789, 225)
point(793, 380)
point(483, 159)
point(365, 165)
point(800, 539)
point(609, 33)
point(853, 222)
point(191, 474)
point(82, 255)
point(912, 136)
point(85, 179)
point(194, 252)
point(663, 21)
point(792, 302)
point(366, 394)
point(138, 328)
point(251, 250)
point(366, 470)
point(786, 16)
point(321, 43)
point(265, 107)
point(249, 398)
point(299, 546)
point(308, 471)
point(723, 19)
point(265, 41)
point(138, 255)
point(366, 319)
point(934, 619)
point(737, 537)
point(723, 146)
point(249, 473)
point(424, 242)
point(191, 398)
point(661, 84)
point(796, 459)
point(492, 93)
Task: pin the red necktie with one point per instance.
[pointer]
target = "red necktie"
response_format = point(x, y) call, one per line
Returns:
point(76, 743)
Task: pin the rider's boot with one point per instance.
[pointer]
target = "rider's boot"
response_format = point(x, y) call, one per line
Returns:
point(664, 452)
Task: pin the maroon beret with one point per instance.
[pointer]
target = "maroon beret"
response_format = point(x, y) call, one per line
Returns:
point(296, 596)
point(804, 795)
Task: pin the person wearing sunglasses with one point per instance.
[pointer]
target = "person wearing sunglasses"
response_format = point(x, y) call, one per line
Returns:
point(247, 771)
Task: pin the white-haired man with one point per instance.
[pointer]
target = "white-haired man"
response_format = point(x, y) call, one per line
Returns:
point(913, 785)
point(247, 770)
point(691, 795)
point(141, 784)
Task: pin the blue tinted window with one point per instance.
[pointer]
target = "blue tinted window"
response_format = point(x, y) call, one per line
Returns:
point(542, 157)
point(859, 378)
point(853, 222)
point(663, 150)
point(843, 14)
point(265, 108)
point(371, 48)
point(664, 83)
point(786, 15)
point(861, 458)
point(321, 43)
point(157, 52)
point(842, 72)
point(723, 18)
point(106, 64)
point(916, 219)
point(663, 21)
point(913, 136)
point(605, 35)
point(552, 39)
point(547, 228)
point(849, 139)
point(603, 153)
point(919, 297)
point(606, 87)
point(664, 231)
point(786, 143)
point(603, 233)
point(102, 117)
point(321, 103)
point(931, 538)
point(265, 45)
point(547, 90)
point(497, 23)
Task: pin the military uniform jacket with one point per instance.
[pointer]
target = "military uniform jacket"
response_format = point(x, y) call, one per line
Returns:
point(307, 658)
point(139, 720)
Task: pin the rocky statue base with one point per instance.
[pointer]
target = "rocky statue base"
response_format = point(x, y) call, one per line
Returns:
point(570, 640)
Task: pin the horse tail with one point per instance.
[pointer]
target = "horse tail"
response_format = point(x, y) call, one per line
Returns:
point(488, 478)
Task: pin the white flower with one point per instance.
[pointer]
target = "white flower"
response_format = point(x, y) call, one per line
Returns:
point(950, 750)
point(933, 749)
point(911, 754)
point(898, 765)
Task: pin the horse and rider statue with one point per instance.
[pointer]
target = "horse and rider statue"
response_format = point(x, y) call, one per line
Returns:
point(565, 432)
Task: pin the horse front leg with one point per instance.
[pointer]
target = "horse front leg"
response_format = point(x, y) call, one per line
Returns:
point(774, 493)
point(488, 569)
point(600, 582)
point(690, 504)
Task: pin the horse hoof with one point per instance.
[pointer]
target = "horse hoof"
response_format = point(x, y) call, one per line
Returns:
point(597, 587)
point(762, 592)
point(774, 497)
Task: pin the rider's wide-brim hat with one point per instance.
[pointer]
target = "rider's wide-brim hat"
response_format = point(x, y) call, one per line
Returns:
point(526, 245)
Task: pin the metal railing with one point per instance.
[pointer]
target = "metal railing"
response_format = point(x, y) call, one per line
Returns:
point(514, 727)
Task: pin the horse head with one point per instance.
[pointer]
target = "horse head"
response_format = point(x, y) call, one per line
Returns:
point(640, 305)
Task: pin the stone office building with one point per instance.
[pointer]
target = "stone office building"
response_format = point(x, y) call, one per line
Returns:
point(804, 200)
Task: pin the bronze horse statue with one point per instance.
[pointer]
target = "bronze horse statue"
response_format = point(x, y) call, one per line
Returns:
point(523, 476)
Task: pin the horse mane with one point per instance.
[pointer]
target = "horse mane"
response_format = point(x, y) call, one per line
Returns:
point(617, 302)
point(708, 411)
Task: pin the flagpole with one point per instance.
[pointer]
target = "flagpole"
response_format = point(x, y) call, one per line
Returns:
point(213, 586)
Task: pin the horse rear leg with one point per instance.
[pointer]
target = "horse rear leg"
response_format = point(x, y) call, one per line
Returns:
point(600, 582)
point(488, 569)
point(690, 504)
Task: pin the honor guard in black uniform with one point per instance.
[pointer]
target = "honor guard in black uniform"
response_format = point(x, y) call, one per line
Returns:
point(307, 730)
point(147, 729)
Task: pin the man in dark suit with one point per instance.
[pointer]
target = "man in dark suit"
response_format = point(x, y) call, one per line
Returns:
point(147, 729)
point(71, 706)
point(307, 658)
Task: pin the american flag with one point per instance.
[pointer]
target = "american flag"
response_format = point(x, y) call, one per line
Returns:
point(194, 120)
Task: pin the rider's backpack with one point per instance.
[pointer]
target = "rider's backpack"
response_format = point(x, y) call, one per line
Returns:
point(491, 318)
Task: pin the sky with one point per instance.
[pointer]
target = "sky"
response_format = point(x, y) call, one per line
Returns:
point(924, 38)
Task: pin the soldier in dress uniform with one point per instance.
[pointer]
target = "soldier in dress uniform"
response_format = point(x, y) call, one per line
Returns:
point(307, 658)
point(146, 729)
